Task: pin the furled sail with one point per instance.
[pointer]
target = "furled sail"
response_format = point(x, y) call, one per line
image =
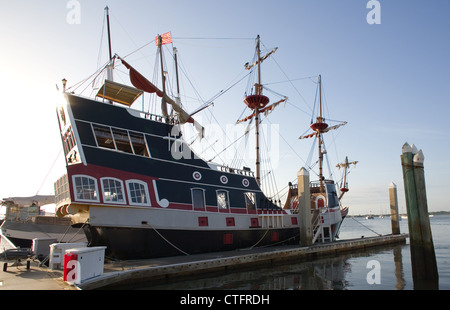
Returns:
point(140, 82)
point(322, 131)
point(265, 110)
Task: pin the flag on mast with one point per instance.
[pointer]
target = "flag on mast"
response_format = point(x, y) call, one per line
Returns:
point(166, 38)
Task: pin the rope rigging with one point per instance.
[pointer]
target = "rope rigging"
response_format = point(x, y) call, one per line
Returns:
point(240, 144)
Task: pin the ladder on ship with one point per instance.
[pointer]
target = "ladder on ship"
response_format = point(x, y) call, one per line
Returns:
point(321, 231)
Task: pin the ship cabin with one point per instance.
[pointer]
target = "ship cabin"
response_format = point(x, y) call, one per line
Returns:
point(119, 156)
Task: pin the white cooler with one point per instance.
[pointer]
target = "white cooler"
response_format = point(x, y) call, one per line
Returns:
point(57, 251)
point(88, 263)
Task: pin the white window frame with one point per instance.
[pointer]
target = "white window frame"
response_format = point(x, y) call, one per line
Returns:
point(227, 193)
point(130, 132)
point(74, 177)
point(103, 191)
point(128, 182)
point(204, 198)
point(247, 197)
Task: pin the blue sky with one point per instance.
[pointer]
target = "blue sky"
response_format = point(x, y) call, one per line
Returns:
point(389, 81)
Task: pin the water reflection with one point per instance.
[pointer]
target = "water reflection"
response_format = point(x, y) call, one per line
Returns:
point(346, 271)
point(398, 262)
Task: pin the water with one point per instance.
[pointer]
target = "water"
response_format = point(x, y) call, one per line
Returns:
point(343, 272)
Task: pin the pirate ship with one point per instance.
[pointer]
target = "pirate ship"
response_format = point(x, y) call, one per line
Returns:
point(137, 187)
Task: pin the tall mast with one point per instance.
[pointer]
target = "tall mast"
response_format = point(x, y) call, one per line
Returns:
point(320, 127)
point(178, 97)
point(258, 91)
point(175, 54)
point(163, 101)
point(345, 165)
point(109, 71)
point(257, 101)
point(320, 120)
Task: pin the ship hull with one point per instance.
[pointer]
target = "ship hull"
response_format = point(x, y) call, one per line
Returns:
point(137, 233)
point(140, 243)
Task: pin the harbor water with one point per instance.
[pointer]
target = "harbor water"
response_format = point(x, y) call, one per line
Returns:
point(380, 268)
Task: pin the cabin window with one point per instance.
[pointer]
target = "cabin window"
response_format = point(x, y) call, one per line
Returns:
point(69, 140)
point(250, 201)
point(61, 189)
point(222, 200)
point(332, 196)
point(198, 198)
point(320, 202)
point(85, 188)
point(112, 190)
point(138, 142)
point(122, 140)
point(103, 136)
point(138, 192)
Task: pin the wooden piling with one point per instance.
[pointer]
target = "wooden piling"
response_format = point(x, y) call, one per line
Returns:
point(427, 238)
point(393, 202)
point(304, 207)
point(423, 259)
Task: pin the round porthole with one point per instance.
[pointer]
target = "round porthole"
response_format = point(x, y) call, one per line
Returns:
point(245, 182)
point(223, 179)
point(197, 176)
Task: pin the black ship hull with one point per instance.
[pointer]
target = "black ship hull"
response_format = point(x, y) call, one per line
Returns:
point(139, 190)
point(140, 243)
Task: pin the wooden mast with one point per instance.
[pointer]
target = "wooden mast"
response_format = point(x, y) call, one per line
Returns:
point(320, 127)
point(163, 100)
point(175, 55)
point(319, 135)
point(345, 165)
point(109, 71)
point(258, 91)
point(257, 102)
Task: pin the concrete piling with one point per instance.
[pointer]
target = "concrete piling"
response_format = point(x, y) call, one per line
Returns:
point(304, 207)
point(393, 202)
point(423, 259)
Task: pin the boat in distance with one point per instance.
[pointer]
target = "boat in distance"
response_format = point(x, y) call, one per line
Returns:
point(25, 220)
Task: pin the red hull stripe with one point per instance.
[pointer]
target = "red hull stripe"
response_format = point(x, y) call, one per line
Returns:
point(99, 172)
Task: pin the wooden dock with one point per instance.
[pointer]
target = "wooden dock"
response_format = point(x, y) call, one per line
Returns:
point(127, 272)
point(138, 271)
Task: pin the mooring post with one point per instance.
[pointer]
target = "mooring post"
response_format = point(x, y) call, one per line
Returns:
point(393, 202)
point(423, 259)
point(304, 207)
point(427, 238)
point(410, 194)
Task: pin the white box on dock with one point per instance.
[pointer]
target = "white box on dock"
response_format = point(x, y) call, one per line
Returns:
point(90, 262)
point(57, 251)
point(40, 247)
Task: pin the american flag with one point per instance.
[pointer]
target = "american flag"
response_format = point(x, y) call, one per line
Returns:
point(166, 38)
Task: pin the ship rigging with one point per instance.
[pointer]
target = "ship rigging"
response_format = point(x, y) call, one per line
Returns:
point(138, 186)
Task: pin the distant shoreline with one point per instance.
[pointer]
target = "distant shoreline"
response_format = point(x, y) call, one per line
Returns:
point(387, 215)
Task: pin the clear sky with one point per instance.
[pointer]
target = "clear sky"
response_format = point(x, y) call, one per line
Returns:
point(389, 81)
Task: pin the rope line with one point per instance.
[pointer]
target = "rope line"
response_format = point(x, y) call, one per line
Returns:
point(367, 227)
